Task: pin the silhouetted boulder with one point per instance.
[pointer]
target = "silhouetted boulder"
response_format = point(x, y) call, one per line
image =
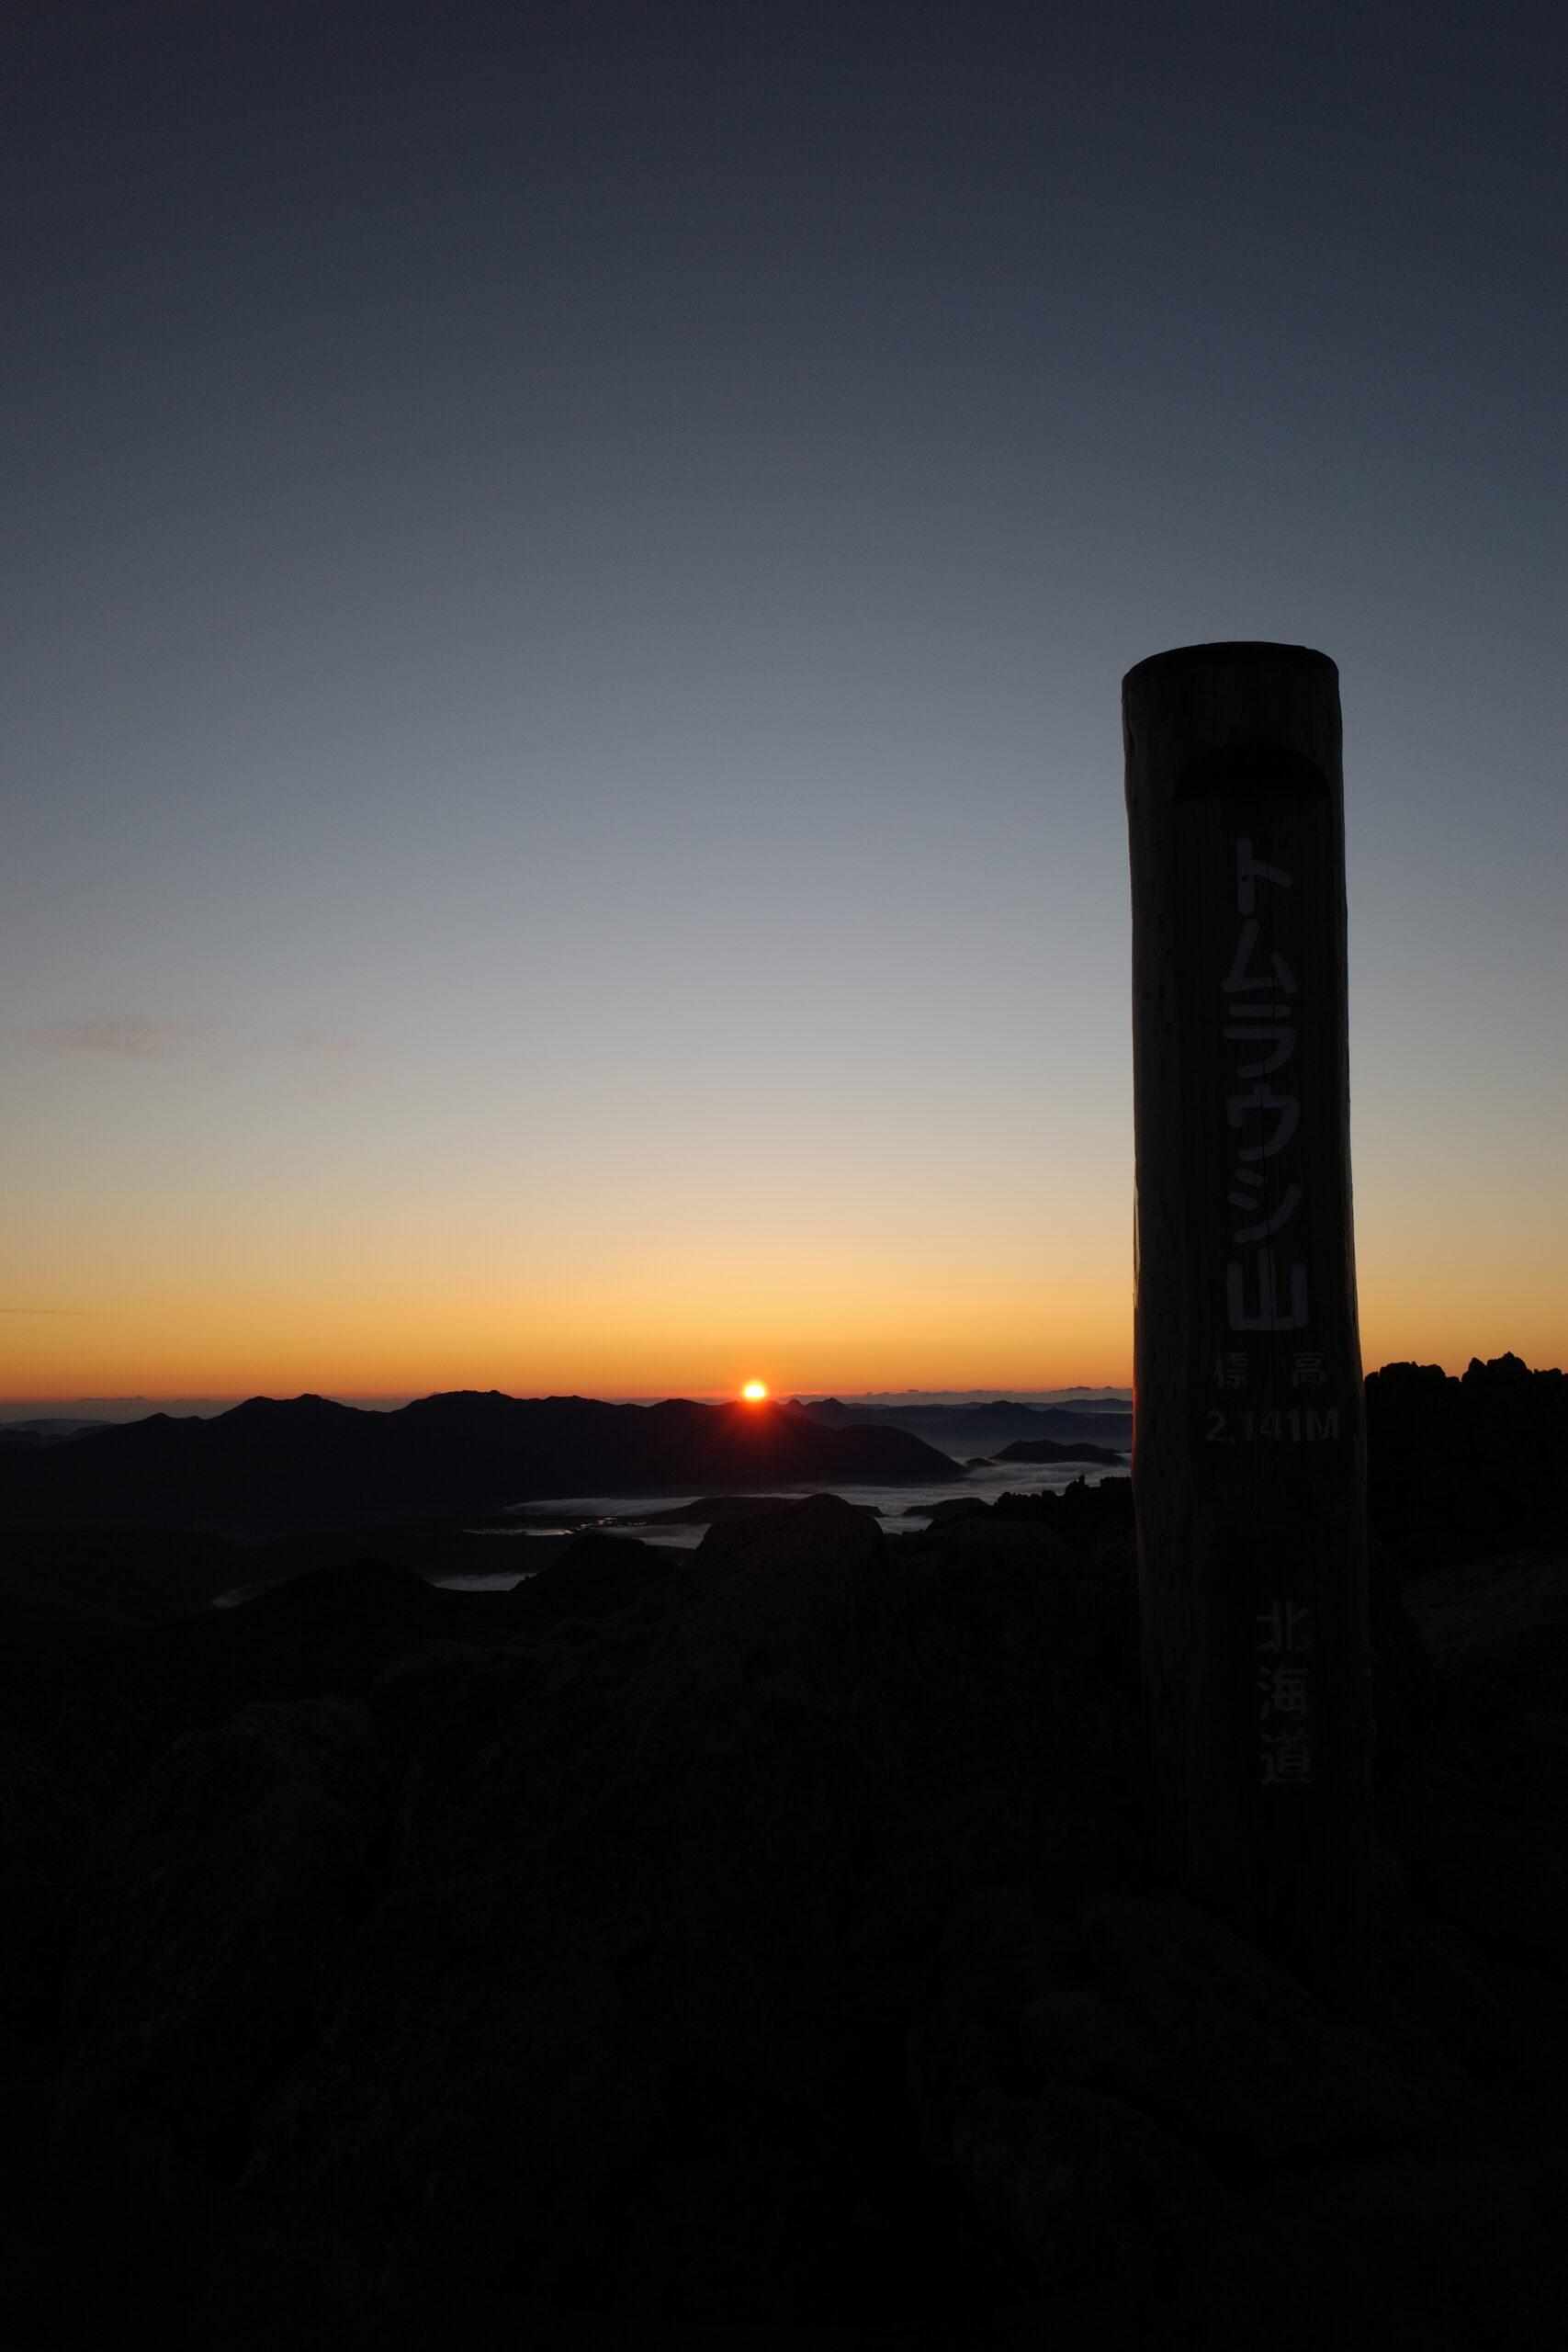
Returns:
point(438, 1705)
point(1091, 2191)
point(594, 1576)
point(215, 1909)
point(1156, 2113)
point(221, 1893)
point(350, 1589)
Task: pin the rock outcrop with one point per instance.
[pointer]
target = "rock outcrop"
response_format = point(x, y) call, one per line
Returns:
point(1457, 1469)
point(759, 1945)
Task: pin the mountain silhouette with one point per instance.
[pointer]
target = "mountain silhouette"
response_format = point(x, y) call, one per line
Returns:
point(967, 1428)
point(270, 1467)
point(1047, 1449)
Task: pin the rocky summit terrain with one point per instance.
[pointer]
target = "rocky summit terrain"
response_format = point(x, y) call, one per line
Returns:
point(751, 1947)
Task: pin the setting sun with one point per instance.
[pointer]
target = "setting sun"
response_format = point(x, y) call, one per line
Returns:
point(754, 1390)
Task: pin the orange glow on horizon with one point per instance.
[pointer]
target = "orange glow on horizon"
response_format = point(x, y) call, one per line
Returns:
point(241, 1306)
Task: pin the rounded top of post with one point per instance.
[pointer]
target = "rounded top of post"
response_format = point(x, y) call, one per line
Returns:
point(1247, 654)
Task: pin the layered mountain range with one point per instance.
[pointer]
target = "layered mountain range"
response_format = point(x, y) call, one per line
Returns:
point(269, 1467)
point(962, 1429)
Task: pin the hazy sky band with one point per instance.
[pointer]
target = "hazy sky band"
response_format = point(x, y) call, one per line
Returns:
point(572, 576)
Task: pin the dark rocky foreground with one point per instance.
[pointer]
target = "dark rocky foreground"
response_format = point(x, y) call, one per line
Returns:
point(756, 1948)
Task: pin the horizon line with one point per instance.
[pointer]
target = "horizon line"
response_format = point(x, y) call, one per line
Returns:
point(391, 1400)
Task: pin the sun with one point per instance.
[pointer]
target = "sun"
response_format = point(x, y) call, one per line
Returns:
point(755, 1391)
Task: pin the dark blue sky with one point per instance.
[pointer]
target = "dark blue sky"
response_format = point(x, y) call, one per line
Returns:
point(569, 571)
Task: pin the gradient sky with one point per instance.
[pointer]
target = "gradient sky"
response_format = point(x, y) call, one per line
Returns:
point(568, 573)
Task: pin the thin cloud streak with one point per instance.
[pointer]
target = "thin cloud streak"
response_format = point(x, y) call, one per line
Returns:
point(125, 1036)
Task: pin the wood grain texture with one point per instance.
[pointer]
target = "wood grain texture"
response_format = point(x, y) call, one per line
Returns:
point(1248, 1461)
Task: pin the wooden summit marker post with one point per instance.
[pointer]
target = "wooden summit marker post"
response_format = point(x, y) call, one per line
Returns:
point(1248, 1452)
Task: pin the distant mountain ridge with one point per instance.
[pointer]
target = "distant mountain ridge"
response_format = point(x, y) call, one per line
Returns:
point(270, 1467)
point(952, 1400)
point(46, 1429)
point(1048, 1449)
point(970, 1429)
